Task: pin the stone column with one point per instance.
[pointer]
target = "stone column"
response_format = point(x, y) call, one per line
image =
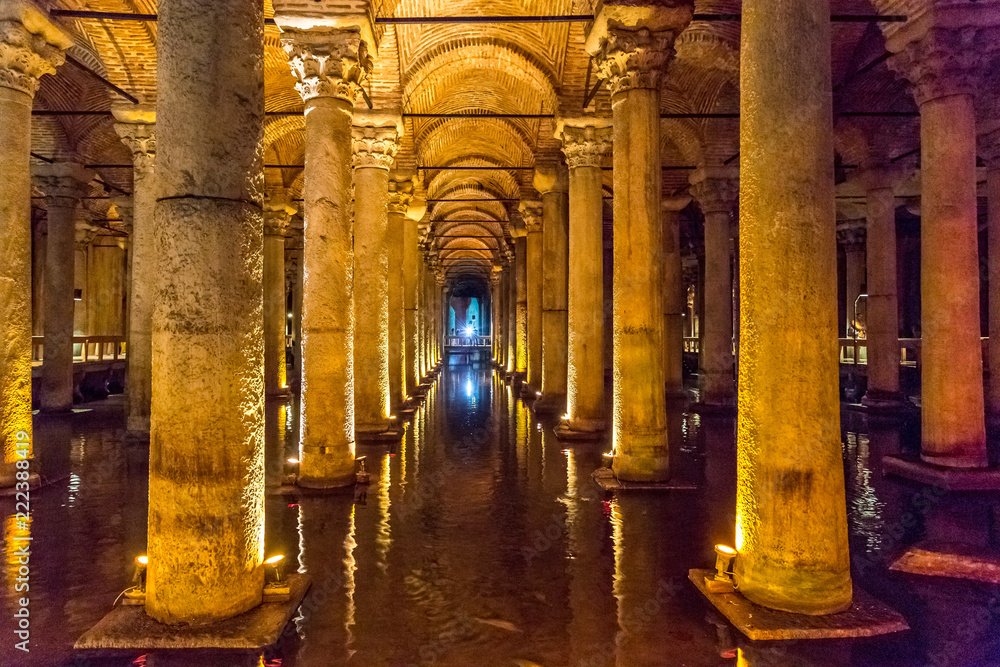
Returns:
point(791, 519)
point(941, 63)
point(851, 235)
point(497, 292)
point(32, 46)
point(882, 312)
point(990, 152)
point(136, 125)
point(330, 67)
point(442, 296)
point(552, 183)
point(716, 191)
point(400, 193)
point(632, 47)
point(531, 213)
point(63, 183)
point(585, 142)
point(278, 212)
point(520, 308)
point(295, 241)
point(206, 455)
point(411, 283)
point(674, 295)
point(39, 231)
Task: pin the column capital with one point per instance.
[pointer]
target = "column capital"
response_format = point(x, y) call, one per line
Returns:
point(400, 192)
point(85, 232)
point(125, 207)
point(30, 46)
point(632, 44)
point(417, 208)
point(136, 126)
point(675, 203)
point(531, 214)
point(328, 61)
point(585, 141)
point(278, 212)
point(550, 177)
point(989, 149)
point(63, 183)
point(375, 138)
point(882, 178)
point(852, 234)
point(717, 189)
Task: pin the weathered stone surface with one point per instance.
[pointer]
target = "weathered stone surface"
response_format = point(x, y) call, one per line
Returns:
point(531, 214)
point(551, 181)
point(945, 477)
point(957, 561)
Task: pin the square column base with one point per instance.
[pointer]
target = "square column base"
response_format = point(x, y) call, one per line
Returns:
point(949, 559)
point(550, 403)
point(867, 616)
point(951, 479)
point(606, 479)
point(573, 430)
point(129, 628)
point(714, 410)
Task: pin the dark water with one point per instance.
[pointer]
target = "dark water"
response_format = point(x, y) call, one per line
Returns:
point(483, 541)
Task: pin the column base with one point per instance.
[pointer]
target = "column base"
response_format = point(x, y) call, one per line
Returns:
point(676, 394)
point(951, 479)
point(609, 482)
point(529, 393)
point(8, 485)
point(886, 402)
point(128, 627)
point(137, 437)
point(550, 403)
point(714, 409)
point(514, 377)
point(866, 617)
point(284, 392)
point(581, 429)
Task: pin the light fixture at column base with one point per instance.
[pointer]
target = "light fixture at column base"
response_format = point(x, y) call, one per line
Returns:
point(608, 481)
point(951, 479)
point(130, 628)
point(867, 617)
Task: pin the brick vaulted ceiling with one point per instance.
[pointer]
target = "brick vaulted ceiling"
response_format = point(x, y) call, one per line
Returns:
point(526, 68)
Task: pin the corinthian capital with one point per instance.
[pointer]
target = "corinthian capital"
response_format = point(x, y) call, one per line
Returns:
point(400, 193)
point(136, 125)
point(585, 141)
point(30, 46)
point(278, 212)
point(63, 183)
point(375, 138)
point(531, 214)
point(328, 62)
point(716, 189)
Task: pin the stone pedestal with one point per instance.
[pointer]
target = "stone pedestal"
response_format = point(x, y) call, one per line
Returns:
point(136, 125)
point(278, 212)
point(941, 63)
point(400, 193)
point(33, 46)
point(585, 142)
point(329, 65)
point(532, 214)
point(206, 455)
point(791, 519)
point(552, 184)
point(674, 296)
point(716, 191)
point(631, 47)
point(64, 183)
point(411, 268)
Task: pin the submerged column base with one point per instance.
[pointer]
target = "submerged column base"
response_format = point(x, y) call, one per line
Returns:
point(550, 403)
point(581, 429)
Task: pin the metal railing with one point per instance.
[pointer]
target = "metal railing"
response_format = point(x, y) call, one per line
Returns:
point(468, 341)
point(85, 348)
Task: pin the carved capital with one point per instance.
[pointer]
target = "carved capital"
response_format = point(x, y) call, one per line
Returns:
point(716, 195)
point(30, 46)
point(531, 214)
point(400, 192)
point(328, 62)
point(586, 145)
point(946, 60)
point(630, 58)
point(137, 128)
point(375, 146)
point(852, 234)
point(278, 212)
point(63, 183)
point(550, 178)
point(125, 207)
point(85, 232)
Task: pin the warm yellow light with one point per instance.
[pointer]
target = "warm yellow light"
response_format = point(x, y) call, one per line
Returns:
point(274, 559)
point(609, 455)
point(142, 560)
point(293, 461)
point(538, 393)
point(722, 548)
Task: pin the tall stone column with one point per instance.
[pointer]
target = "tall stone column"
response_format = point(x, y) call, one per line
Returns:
point(882, 312)
point(278, 212)
point(791, 519)
point(400, 194)
point(32, 46)
point(63, 183)
point(552, 183)
point(497, 291)
point(39, 231)
point(585, 142)
point(851, 236)
point(532, 214)
point(136, 125)
point(411, 283)
point(330, 65)
point(520, 307)
point(294, 240)
point(206, 455)
point(674, 295)
point(442, 296)
point(716, 191)
point(990, 152)
point(632, 47)
point(941, 63)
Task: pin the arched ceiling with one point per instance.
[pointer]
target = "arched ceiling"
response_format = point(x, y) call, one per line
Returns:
point(507, 68)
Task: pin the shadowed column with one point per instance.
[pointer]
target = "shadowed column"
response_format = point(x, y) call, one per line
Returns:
point(990, 152)
point(400, 193)
point(519, 365)
point(277, 216)
point(552, 184)
point(411, 283)
point(674, 296)
point(531, 213)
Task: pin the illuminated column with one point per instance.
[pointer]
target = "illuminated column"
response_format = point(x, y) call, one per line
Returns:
point(294, 242)
point(632, 47)
point(497, 291)
point(674, 295)
point(520, 308)
point(278, 213)
point(400, 193)
point(63, 183)
point(531, 213)
point(585, 142)
point(552, 184)
point(411, 283)
point(206, 454)
point(851, 235)
point(791, 519)
point(136, 125)
point(990, 152)
point(442, 296)
point(329, 65)
point(32, 46)
point(716, 191)
point(941, 64)
point(882, 312)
